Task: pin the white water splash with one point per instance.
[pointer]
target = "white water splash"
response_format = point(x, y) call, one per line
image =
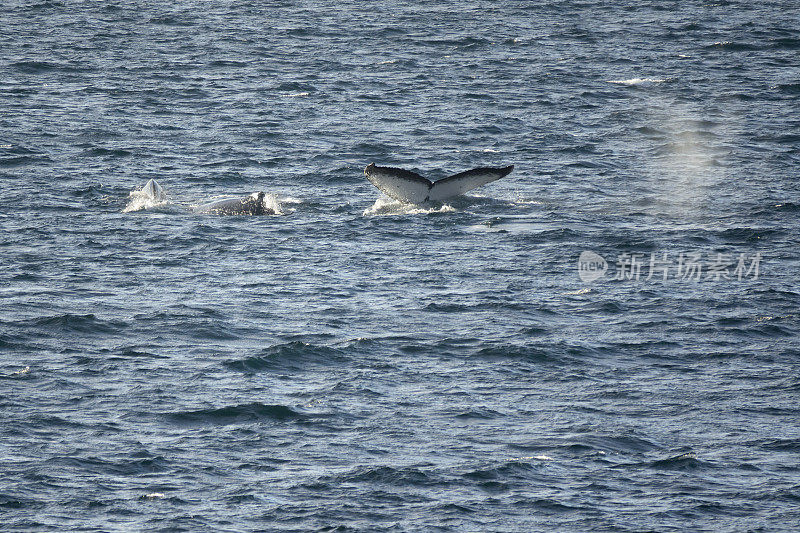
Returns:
point(637, 81)
point(484, 150)
point(585, 290)
point(289, 200)
point(387, 206)
point(271, 203)
point(141, 200)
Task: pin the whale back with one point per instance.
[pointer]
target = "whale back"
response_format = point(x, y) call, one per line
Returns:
point(252, 204)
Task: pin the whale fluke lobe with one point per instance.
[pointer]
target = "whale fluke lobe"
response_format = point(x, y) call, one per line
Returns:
point(252, 204)
point(400, 184)
point(410, 187)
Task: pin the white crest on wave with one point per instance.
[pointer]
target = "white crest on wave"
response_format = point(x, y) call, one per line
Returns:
point(637, 81)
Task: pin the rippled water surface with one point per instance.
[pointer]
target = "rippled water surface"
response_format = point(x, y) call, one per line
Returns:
point(354, 364)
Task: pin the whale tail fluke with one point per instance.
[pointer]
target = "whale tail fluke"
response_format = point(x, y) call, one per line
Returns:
point(412, 188)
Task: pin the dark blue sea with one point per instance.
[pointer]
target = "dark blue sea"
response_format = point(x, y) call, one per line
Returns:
point(607, 339)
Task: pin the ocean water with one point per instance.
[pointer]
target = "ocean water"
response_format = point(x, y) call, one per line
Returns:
point(604, 340)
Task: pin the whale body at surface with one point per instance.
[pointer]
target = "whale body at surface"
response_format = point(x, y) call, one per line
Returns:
point(410, 187)
point(258, 203)
point(252, 204)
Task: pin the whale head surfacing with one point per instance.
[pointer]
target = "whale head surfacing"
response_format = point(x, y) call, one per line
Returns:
point(149, 196)
point(153, 191)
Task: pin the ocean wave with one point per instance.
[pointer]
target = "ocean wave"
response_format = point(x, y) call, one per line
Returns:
point(107, 152)
point(590, 444)
point(22, 160)
point(11, 502)
point(780, 445)
point(790, 88)
point(127, 467)
point(293, 355)
point(74, 323)
point(387, 475)
point(37, 67)
point(526, 353)
point(683, 462)
point(507, 474)
point(237, 414)
point(136, 352)
point(551, 506)
point(786, 43)
point(478, 413)
point(745, 235)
